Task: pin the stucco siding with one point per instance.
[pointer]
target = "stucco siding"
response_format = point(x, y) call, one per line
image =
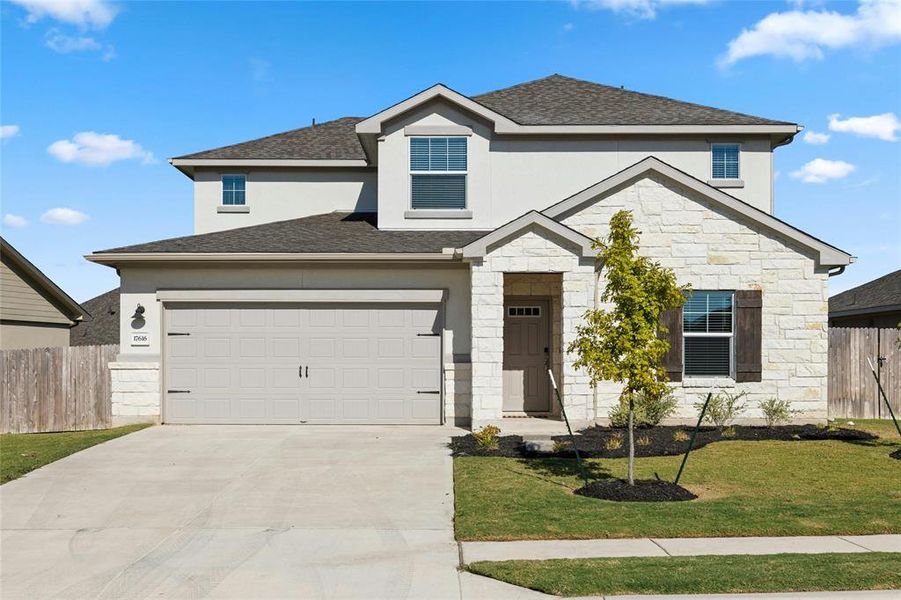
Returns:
point(19, 301)
point(711, 250)
point(278, 195)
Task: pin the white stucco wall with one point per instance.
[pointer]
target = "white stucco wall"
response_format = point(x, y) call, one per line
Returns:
point(714, 251)
point(510, 175)
point(277, 195)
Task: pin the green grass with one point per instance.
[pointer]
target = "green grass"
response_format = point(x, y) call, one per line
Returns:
point(884, 428)
point(744, 488)
point(701, 574)
point(24, 452)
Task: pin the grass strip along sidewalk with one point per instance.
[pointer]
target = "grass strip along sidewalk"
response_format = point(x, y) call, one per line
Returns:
point(21, 453)
point(701, 574)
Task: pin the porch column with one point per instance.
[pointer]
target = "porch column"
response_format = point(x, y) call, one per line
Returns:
point(487, 344)
point(578, 296)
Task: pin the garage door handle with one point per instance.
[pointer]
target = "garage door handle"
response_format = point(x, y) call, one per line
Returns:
point(428, 392)
point(306, 371)
point(177, 333)
point(178, 391)
point(428, 334)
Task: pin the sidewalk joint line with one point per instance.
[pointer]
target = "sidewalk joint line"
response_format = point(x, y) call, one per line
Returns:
point(844, 539)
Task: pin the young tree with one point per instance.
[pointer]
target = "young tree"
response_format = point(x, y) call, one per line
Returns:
point(626, 344)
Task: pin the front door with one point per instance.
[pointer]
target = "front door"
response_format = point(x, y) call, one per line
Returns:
point(526, 346)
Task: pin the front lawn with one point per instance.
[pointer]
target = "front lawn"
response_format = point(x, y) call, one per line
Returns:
point(24, 452)
point(745, 488)
point(701, 574)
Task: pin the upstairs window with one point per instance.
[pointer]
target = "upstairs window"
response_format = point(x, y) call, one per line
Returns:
point(438, 169)
point(233, 190)
point(725, 161)
point(707, 328)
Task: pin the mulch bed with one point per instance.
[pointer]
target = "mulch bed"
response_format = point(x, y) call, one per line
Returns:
point(896, 454)
point(644, 490)
point(663, 440)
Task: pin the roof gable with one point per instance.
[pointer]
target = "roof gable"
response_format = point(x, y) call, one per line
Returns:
point(35, 278)
point(532, 219)
point(827, 255)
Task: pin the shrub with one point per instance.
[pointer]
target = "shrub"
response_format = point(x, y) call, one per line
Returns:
point(724, 407)
point(729, 432)
point(776, 412)
point(614, 442)
point(680, 436)
point(643, 441)
point(560, 446)
point(649, 410)
point(487, 437)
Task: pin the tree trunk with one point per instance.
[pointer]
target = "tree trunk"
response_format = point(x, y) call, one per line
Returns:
point(631, 441)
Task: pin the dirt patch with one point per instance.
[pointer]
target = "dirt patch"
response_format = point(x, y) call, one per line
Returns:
point(663, 440)
point(644, 490)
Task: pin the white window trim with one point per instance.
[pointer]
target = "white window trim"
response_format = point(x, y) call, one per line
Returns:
point(463, 213)
point(222, 177)
point(731, 335)
point(726, 181)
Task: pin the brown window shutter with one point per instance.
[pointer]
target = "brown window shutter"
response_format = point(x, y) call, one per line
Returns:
point(672, 360)
point(748, 334)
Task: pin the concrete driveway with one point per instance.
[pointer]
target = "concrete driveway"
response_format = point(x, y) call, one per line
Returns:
point(237, 512)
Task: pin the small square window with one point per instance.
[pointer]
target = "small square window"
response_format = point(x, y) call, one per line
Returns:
point(524, 311)
point(233, 189)
point(725, 161)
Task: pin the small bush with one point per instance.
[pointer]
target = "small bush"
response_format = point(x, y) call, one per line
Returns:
point(643, 441)
point(560, 446)
point(724, 407)
point(614, 442)
point(776, 412)
point(729, 432)
point(680, 436)
point(649, 410)
point(487, 437)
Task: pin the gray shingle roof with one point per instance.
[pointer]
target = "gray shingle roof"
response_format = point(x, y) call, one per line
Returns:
point(554, 100)
point(559, 100)
point(328, 233)
point(332, 140)
point(874, 296)
point(102, 326)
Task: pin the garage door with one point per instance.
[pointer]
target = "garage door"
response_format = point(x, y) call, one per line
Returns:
point(259, 363)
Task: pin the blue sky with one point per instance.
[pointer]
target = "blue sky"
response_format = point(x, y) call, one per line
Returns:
point(143, 81)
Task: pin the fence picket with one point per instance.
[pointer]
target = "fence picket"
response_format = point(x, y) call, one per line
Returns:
point(853, 392)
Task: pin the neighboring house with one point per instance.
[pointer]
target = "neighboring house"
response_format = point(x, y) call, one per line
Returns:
point(102, 326)
point(873, 304)
point(34, 311)
point(424, 264)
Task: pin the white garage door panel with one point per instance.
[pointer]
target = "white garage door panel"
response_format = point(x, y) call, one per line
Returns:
point(242, 363)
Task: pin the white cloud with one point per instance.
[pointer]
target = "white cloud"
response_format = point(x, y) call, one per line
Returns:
point(10, 220)
point(821, 170)
point(801, 35)
point(8, 131)
point(642, 9)
point(568, 27)
point(66, 44)
point(63, 216)
point(98, 149)
point(884, 126)
point(817, 139)
point(97, 14)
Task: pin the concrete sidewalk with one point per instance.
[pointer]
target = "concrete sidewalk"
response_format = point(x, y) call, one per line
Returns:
point(547, 549)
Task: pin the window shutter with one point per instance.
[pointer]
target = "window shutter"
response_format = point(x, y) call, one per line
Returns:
point(672, 360)
point(748, 335)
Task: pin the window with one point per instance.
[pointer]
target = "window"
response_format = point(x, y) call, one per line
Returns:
point(438, 172)
point(233, 189)
point(725, 161)
point(707, 328)
point(524, 311)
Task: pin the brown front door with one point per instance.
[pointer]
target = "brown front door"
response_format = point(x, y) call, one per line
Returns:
point(526, 336)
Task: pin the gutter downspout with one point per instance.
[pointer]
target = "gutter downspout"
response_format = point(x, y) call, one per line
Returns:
point(841, 270)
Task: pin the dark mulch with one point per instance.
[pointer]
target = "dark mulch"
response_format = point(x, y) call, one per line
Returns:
point(644, 490)
point(601, 442)
point(896, 454)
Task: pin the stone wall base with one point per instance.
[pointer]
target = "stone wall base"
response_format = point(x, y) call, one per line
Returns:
point(135, 392)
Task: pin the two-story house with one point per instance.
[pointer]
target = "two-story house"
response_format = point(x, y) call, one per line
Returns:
point(425, 264)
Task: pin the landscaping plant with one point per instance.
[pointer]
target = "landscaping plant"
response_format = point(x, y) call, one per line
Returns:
point(649, 410)
point(724, 407)
point(487, 437)
point(626, 343)
point(776, 412)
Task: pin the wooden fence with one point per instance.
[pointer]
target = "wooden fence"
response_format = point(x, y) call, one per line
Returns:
point(55, 389)
point(852, 388)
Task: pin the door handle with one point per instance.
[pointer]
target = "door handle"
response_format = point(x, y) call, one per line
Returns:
point(300, 371)
point(178, 391)
point(428, 392)
point(307, 372)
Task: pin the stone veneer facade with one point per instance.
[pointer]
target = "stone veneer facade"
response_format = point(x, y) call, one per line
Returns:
point(135, 392)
